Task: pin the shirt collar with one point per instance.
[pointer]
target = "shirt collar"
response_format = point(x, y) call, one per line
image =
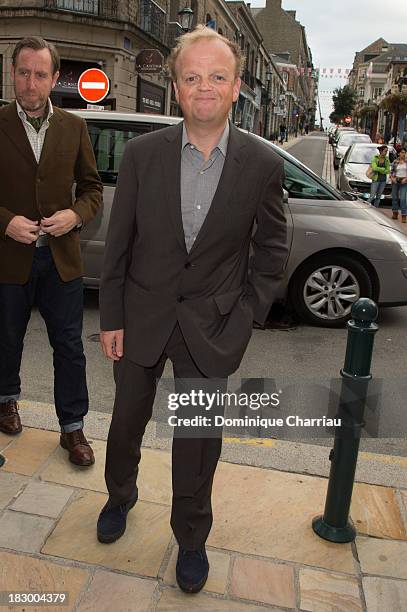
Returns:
point(222, 144)
point(22, 115)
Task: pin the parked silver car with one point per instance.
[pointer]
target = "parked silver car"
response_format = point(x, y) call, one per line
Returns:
point(352, 170)
point(340, 250)
point(346, 139)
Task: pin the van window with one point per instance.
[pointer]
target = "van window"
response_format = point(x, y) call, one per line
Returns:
point(108, 141)
point(301, 185)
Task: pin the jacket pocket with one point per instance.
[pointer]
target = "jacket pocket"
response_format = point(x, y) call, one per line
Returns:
point(226, 301)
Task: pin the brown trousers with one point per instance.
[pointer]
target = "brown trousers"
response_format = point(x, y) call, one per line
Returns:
point(194, 460)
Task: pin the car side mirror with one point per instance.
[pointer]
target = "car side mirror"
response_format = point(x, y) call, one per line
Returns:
point(285, 196)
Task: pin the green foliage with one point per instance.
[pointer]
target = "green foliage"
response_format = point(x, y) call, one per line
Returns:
point(344, 99)
point(395, 103)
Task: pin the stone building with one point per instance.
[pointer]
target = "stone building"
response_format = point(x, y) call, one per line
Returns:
point(285, 37)
point(106, 34)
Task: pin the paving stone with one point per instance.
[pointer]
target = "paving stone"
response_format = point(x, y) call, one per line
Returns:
point(42, 498)
point(376, 512)
point(10, 485)
point(174, 600)
point(139, 551)
point(267, 513)
point(326, 592)
point(5, 440)
point(22, 573)
point(218, 571)
point(23, 532)
point(110, 591)
point(382, 557)
point(382, 594)
point(62, 471)
point(30, 450)
point(154, 480)
point(263, 581)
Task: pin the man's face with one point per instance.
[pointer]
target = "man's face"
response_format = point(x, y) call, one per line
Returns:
point(206, 85)
point(33, 80)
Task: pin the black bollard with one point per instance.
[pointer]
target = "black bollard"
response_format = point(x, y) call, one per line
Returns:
point(2, 460)
point(335, 524)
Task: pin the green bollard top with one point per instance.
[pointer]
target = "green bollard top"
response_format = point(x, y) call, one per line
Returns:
point(364, 312)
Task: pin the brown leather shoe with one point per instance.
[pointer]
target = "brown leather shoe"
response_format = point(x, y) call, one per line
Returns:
point(79, 449)
point(9, 418)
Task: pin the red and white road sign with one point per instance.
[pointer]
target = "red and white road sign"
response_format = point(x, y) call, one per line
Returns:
point(93, 85)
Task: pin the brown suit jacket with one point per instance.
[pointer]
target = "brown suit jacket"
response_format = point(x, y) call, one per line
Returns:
point(149, 281)
point(38, 190)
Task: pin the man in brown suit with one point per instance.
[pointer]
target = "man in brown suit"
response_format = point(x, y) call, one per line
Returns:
point(175, 282)
point(43, 151)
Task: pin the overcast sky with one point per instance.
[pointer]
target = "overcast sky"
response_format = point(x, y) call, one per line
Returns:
point(336, 30)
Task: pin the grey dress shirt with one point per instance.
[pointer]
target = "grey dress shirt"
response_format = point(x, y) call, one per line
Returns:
point(199, 181)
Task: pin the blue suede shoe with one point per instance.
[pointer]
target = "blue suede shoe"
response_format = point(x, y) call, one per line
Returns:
point(192, 570)
point(112, 522)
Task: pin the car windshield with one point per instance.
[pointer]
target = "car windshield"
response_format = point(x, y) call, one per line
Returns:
point(347, 139)
point(362, 155)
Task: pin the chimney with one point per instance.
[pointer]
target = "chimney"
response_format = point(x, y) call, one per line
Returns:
point(292, 13)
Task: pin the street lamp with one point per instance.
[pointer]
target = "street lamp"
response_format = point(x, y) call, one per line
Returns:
point(186, 16)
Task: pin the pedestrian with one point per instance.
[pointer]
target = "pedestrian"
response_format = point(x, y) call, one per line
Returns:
point(306, 127)
point(45, 151)
point(283, 133)
point(399, 186)
point(175, 280)
point(380, 165)
point(379, 138)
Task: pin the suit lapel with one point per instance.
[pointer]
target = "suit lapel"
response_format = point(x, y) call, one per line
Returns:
point(171, 166)
point(14, 130)
point(232, 170)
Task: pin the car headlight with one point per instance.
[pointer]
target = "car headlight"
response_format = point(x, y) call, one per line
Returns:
point(399, 237)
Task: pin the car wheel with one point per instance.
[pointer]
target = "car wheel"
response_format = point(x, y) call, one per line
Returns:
point(324, 288)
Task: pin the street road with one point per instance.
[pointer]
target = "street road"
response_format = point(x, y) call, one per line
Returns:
point(301, 354)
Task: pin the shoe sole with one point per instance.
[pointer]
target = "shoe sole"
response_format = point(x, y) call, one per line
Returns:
point(83, 464)
point(195, 588)
point(11, 433)
point(112, 538)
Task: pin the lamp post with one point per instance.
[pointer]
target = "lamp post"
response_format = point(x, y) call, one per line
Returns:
point(186, 16)
point(269, 75)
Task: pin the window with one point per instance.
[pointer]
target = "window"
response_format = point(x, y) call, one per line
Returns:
point(377, 91)
point(152, 18)
point(301, 185)
point(108, 141)
point(80, 6)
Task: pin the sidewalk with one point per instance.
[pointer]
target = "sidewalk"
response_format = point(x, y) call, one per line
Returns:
point(262, 550)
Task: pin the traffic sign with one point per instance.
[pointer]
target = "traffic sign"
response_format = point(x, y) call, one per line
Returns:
point(93, 85)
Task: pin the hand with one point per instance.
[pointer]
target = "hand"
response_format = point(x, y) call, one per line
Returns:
point(61, 222)
point(112, 343)
point(23, 230)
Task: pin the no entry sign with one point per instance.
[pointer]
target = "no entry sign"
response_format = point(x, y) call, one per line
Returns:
point(93, 85)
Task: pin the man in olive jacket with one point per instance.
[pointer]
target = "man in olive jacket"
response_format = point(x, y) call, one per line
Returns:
point(43, 152)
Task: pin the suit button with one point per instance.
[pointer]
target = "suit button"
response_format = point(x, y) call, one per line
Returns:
point(187, 264)
point(180, 298)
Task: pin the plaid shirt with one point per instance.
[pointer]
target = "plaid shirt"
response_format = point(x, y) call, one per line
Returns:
point(36, 139)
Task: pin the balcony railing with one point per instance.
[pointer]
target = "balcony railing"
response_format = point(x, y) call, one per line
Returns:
point(101, 8)
point(152, 19)
point(174, 31)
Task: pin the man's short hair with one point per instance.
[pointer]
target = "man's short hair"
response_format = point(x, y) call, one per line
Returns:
point(37, 43)
point(202, 32)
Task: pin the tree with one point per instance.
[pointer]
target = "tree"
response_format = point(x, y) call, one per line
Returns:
point(344, 99)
